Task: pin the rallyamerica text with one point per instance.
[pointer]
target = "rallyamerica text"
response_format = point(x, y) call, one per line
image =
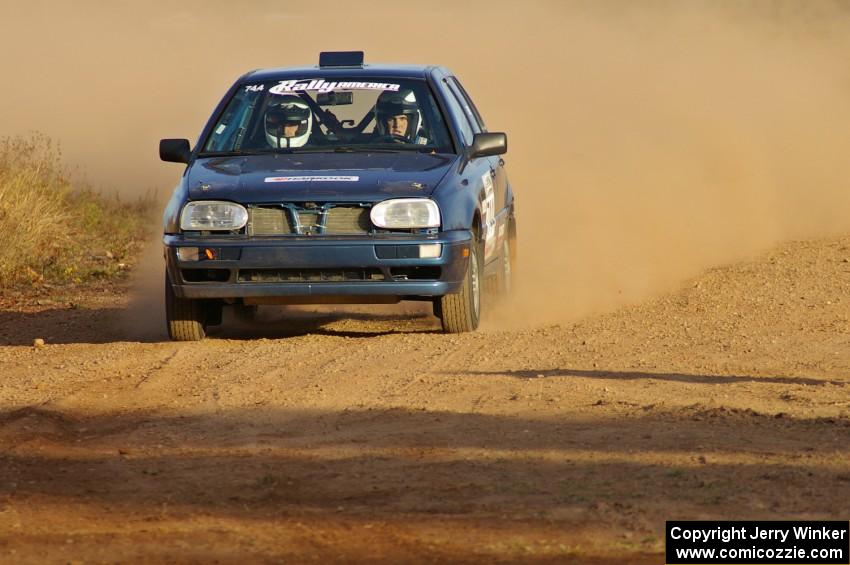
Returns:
point(743, 532)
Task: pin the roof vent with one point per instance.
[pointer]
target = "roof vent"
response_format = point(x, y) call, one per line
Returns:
point(341, 59)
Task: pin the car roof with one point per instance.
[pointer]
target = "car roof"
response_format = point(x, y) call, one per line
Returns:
point(366, 70)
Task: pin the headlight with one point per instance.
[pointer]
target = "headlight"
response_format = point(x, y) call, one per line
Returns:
point(211, 215)
point(406, 213)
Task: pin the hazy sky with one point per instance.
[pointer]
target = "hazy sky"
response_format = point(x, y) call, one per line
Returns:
point(647, 140)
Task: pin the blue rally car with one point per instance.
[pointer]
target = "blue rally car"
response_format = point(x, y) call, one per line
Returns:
point(344, 183)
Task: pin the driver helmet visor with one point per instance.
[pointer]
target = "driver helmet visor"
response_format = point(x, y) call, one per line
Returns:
point(387, 111)
point(277, 118)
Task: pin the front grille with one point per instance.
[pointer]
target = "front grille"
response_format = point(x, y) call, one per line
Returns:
point(309, 222)
point(310, 275)
point(269, 221)
point(347, 220)
point(293, 219)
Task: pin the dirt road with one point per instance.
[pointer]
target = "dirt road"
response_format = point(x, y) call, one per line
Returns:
point(364, 437)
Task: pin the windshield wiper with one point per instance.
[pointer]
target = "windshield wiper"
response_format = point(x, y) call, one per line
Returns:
point(344, 149)
point(349, 149)
point(241, 153)
point(320, 149)
point(399, 147)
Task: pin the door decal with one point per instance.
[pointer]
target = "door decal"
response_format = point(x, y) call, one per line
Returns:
point(488, 214)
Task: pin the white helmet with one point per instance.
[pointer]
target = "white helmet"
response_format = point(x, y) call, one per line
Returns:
point(284, 113)
point(399, 103)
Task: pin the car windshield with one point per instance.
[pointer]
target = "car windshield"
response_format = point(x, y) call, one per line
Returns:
point(349, 114)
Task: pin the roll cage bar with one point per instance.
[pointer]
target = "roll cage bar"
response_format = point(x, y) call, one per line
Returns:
point(327, 119)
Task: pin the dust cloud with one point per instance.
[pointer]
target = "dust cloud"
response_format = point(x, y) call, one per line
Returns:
point(648, 140)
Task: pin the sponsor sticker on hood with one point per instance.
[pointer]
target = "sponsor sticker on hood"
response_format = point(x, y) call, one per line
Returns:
point(337, 178)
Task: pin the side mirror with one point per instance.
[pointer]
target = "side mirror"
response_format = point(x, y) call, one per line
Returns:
point(486, 144)
point(174, 150)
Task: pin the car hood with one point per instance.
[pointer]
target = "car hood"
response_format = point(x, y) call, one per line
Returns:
point(361, 177)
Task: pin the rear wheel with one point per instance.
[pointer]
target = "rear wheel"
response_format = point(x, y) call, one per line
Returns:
point(461, 312)
point(505, 276)
point(185, 318)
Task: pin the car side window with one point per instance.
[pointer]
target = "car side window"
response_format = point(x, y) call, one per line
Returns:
point(466, 131)
point(468, 106)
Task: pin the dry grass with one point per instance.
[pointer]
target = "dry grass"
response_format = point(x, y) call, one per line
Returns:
point(52, 232)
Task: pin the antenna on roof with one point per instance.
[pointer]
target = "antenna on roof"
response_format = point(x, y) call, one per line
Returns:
point(341, 59)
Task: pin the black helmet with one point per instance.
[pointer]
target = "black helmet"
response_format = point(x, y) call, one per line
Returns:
point(397, 103)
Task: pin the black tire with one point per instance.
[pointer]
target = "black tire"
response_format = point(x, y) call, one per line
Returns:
point(185, 318)
point(461, 312)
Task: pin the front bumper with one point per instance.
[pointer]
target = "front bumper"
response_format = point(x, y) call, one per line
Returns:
point(318, 268)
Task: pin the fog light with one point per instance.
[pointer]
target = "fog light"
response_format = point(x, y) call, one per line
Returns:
point(187, 253)
point(430, 250)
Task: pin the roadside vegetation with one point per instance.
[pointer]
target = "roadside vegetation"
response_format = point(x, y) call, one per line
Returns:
point(55, 231)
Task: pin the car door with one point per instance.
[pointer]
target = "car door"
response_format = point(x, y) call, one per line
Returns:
point(494, 178)
point(476, 174)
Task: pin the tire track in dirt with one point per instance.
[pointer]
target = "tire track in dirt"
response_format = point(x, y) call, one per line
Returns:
point(369, 435)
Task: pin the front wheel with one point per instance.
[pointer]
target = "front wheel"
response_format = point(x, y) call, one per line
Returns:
point(461, 312)
point(186, 318)
point(506, 269)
